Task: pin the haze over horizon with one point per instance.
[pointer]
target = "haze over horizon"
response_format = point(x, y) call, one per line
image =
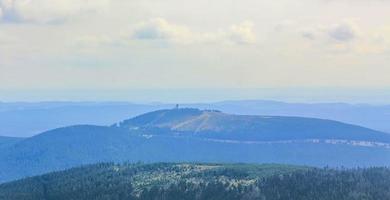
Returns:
point(377, 96)
point(69, 46)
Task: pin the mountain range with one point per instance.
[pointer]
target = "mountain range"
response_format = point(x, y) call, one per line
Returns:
point(28, 119)
point(194, 135)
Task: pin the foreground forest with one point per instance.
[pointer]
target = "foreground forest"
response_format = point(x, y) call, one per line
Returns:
point(202, 181)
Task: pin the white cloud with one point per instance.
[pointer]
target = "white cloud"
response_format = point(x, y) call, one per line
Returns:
point(308, 34)
point(243, 33)
point(374, 43)
point(292, 42)
point(343, 32)
point(161, 29)
point(47, 11)
point(346, 31)
point(348, 36)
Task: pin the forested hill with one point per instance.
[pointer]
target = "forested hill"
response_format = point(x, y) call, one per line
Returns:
point(193, 135)
point(202, 182)
point(218, 125)
point(6, 141)
point(27, 119)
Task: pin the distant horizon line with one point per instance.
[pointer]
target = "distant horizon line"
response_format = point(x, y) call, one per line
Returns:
point(162, 103)
point(142, 96)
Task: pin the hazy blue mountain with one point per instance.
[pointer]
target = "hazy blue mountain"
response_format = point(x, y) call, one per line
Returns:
point(218, 125)
point(27, 119)
point(192, 135)
point(371, 116)
point(6, 141)
point(63, 148)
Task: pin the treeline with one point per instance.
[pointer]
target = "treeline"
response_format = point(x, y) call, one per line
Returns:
point(315, 184)
point(202, 182)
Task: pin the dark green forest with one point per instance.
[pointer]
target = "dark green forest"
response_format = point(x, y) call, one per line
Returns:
point(165, 181)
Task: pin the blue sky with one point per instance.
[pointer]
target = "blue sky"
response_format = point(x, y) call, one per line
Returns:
point(121, 45)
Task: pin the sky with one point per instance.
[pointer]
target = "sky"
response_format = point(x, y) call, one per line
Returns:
point(72, 46)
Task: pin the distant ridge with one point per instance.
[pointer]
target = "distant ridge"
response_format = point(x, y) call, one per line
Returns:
point(194, 135)
point(6, 141)
point(27, 119)
point(215, 124)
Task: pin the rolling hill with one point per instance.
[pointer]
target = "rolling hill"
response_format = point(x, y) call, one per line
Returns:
point(23, 119)
point(196, 181)
point(6, 141)
point(217, 125)
point(192, 135)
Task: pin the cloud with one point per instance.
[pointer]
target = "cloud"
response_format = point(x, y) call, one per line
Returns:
point(346, 37)
point(243, 33)
point(308, 34)
point(161, 29)
point(343, 32)
point(47, 11)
